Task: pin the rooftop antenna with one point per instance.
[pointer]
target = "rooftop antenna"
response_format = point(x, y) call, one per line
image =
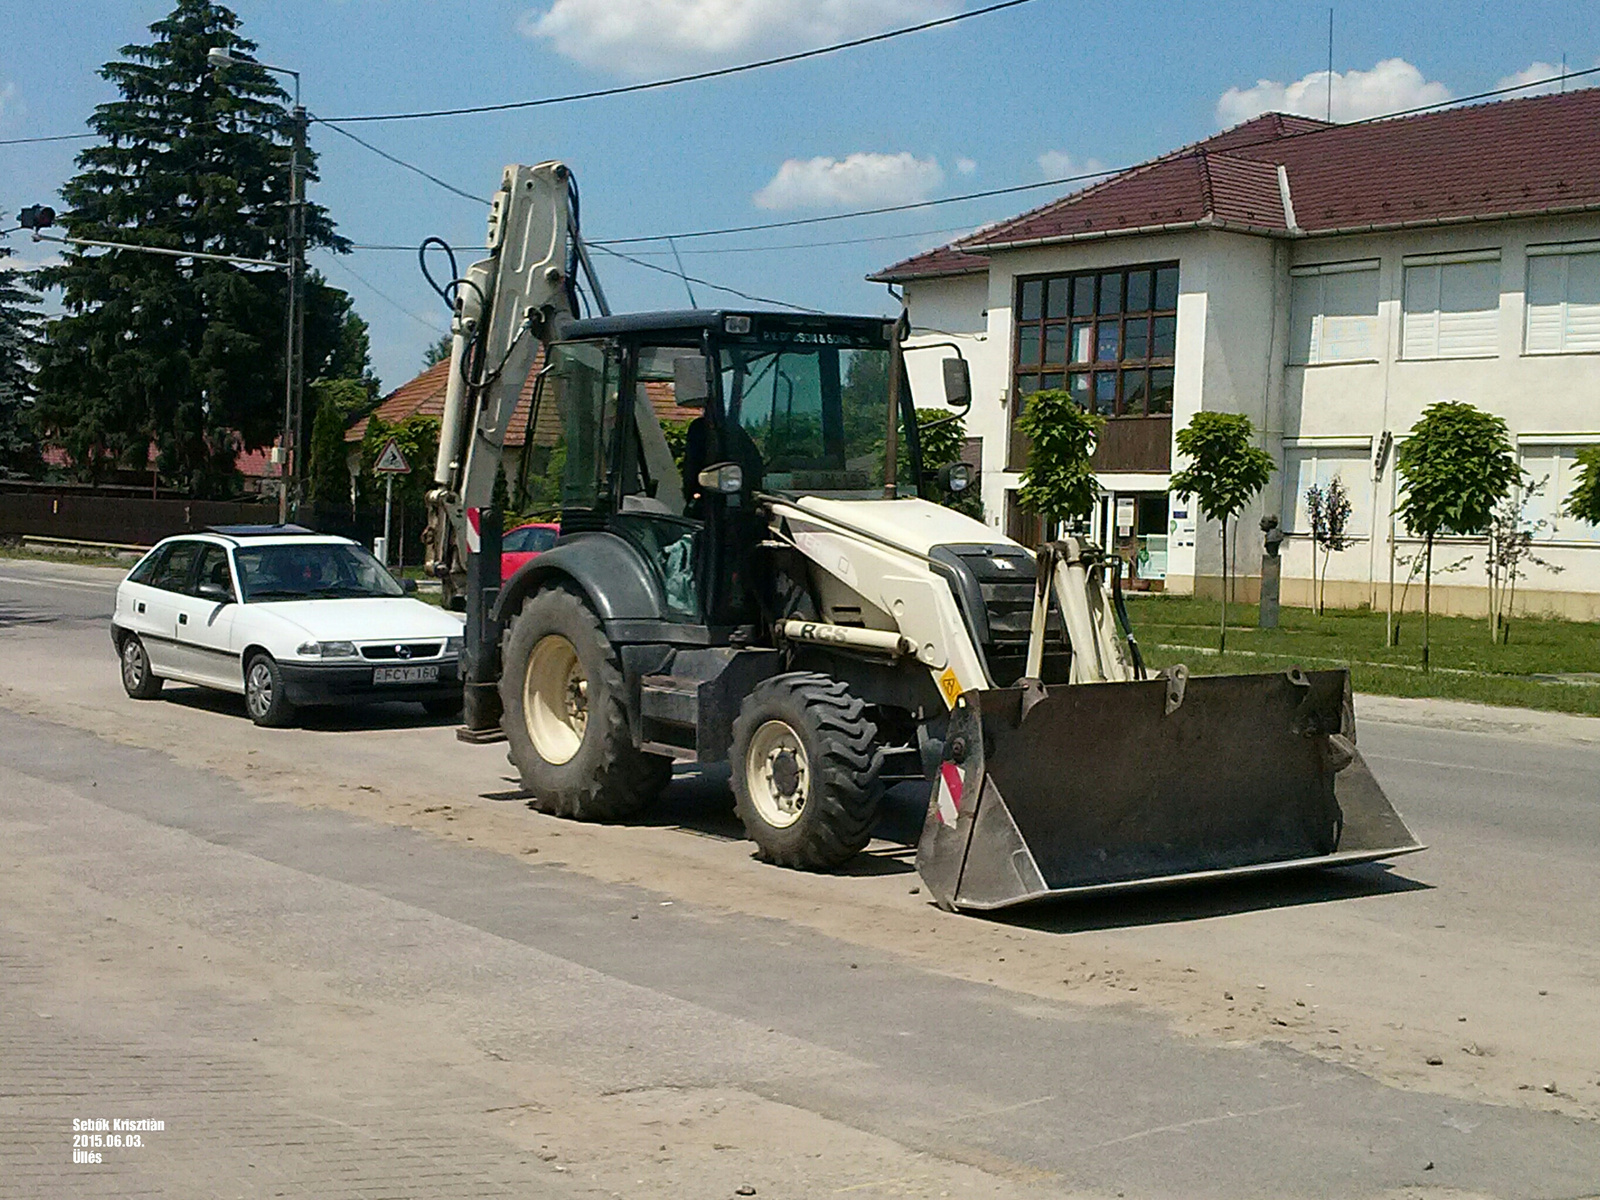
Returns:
point(1330, 66)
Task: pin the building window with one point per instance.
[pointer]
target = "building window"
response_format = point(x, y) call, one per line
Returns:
point(1563, 299)
point(1333, 313)
point(1318, 466)
point(1108, 337)
point(1551, 473)
point(1452, 306)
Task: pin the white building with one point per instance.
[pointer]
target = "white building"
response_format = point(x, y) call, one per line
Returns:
point(1328, 281)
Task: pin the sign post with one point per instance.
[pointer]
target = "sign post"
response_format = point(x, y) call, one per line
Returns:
point(390, 463)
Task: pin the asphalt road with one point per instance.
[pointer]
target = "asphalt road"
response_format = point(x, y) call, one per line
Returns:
point(369, 1002)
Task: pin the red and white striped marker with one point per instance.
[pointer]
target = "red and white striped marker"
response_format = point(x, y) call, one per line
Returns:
point(948, 795)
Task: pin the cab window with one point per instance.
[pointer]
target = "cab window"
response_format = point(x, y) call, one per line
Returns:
point(172, 575)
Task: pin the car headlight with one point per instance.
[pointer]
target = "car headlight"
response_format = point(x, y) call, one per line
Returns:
point(327, 650)
point(454, 646)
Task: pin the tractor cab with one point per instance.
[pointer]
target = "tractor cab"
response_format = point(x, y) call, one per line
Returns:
point(673, 424)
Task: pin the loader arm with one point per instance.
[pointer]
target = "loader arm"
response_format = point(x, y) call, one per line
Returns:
point(506, 306)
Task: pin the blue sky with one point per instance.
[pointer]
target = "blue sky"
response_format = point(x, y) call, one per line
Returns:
point(1002, 99)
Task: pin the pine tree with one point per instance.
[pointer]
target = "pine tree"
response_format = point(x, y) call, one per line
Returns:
point(181, 353)
point(19, 446)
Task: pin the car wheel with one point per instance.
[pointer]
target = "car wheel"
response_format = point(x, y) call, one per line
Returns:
point(138, 680)
point(263, 693)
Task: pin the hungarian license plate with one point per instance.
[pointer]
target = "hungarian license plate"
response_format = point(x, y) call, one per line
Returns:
point(428, 674)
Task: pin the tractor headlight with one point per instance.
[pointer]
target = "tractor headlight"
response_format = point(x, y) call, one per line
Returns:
point(958, 476)
point(326, 649)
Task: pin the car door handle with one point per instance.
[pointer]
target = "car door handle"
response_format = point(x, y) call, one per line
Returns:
point(183, 618)
point(139, 607)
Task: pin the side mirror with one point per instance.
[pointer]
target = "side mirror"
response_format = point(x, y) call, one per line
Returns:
point(408, 586)
point(725, 478)
point(215, 592)
point(957, 383)
point(691, 381)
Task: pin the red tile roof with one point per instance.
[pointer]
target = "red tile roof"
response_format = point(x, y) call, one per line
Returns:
point(424, 396)
point(1529, 157)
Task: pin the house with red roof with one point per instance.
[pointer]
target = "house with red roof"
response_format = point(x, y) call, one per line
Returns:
point(424, 396)
point(1330, 282)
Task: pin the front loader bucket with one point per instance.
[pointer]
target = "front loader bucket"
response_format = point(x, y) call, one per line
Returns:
point(1085, 788)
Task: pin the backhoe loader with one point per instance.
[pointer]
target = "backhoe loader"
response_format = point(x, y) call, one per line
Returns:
point(785, 601)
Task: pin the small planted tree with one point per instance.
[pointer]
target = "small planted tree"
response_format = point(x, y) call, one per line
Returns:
point(1227, 469)
point(1328, 509)
point(1455, 467)
point(1511, 537)
point(1057, 483)
point(1584, 503)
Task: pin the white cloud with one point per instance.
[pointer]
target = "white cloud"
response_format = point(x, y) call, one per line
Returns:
point(1540, 70)
point(1058, 164)
point(856, 179)
point(647, 37)
point(966, 166)
point(1392, 85)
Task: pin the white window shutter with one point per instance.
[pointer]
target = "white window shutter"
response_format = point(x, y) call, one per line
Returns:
point(1350, 316)
point(1469, 309)
point(1419, 324)
point(1583, 304)
point(1547, 287)
point(1305, 306)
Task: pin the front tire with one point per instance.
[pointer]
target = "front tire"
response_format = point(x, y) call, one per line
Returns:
point(805, 770)
point(561, 694)
point(138, 680)
point(264, 697)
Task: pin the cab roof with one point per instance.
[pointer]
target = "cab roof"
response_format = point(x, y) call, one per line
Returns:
point(693, 320)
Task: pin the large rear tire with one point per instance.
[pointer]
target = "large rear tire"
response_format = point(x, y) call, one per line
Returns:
point(561, 694)
point(805, 767)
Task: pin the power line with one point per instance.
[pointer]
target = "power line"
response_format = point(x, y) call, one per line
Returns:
point(696, 77)
point(716, 287)
point(1024, 187)
point(388, 299)
point(409, 248)
point(54, 137)
point(400, 162)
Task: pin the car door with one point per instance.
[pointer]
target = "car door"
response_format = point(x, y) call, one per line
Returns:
point(161, 600)
point(137, 590)
point(203, 621)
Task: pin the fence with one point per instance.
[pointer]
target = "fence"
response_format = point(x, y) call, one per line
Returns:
point(123, 519)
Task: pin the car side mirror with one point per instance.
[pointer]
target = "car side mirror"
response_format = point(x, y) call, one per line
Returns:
point(957, 383)
point(691, 381)
point(215, 592)
point(408, 586)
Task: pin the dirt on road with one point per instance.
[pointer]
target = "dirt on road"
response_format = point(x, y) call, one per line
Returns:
point(1401, 973)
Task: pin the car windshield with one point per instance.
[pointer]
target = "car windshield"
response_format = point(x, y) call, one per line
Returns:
point(312, 571)
point(529, 539)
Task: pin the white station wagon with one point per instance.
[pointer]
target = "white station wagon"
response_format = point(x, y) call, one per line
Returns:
point(287, 618)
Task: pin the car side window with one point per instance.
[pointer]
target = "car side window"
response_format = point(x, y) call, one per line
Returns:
point(512, 543)
point(173, 573)
point(212, 573)
point(151, 563)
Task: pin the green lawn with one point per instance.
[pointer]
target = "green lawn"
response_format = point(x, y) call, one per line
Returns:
point(1466, 665)
point(78, 558)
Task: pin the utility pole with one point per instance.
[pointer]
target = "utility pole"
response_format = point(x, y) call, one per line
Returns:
point(294, 401)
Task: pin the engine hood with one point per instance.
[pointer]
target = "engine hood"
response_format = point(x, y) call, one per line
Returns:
point(378, 617)
point(912, 524)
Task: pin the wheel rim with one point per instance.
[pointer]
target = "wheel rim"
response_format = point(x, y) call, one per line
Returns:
point(258, 689)
point(555, 699)
point(777, 773)
point(132, 665)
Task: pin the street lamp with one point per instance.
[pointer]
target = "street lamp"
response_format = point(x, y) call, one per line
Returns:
point(294, 336)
